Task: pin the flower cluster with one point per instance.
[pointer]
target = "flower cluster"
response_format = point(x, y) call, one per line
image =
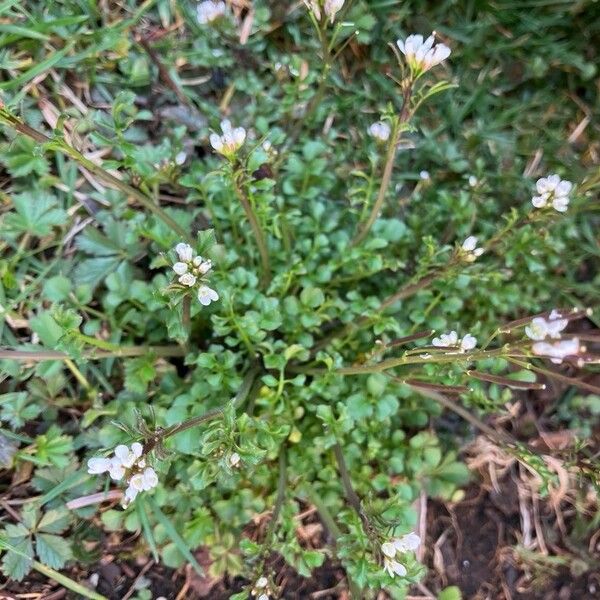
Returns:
point(209, 11)
point(261, 589)
point(448, 340)
point(421, 55)
point(553, 190)
point(129, 464)
point(330, 8)
point(230, 141)
point(380, 131)
point(540, 329)
point(470, 249)
point(407, 543)
point(191, 269)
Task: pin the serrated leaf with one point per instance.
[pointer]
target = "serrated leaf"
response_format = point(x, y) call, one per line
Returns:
point(22, 158)
point(35, 213)
point(54, 521)
point(139, 372)
point(52, 550)
point(17, 561)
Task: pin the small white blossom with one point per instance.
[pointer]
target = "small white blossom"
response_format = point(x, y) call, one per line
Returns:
point(207, 295)
point(261, 589)
point(230, 141)
point(473, 181)
point(388, 549)
point(314, 7)
point(557, 351)
point(127, 456)
point(191, 270)
point(554, 190)
point(468, 342)
point(446, 339)
point(380, 131)
point(407, 543)
point(540, 328)
point(234, 460)
point(472, 252)
point(424, 175)
point(180, 158)
point(129, 463)
point(187, 279)
point(393, 567)
point(332, 7)
point(209, 11)
point(421, 55)
point(184, 251)
point(180, 268)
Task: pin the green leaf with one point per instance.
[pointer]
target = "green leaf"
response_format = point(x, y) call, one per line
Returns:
point(139, 372)
point(17, 560)
point(450, 593)
point(21, 158)
point(52, 550)
point(54, 521)
point(35, 213)
point(57, 288)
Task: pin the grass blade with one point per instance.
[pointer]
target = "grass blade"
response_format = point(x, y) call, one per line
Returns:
point(175, 537)
point(140, 507)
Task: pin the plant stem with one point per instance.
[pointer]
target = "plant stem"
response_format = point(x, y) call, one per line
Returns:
point(281, 483)
point(195, 421)
point(397, 128)
point(404, 292)
point(161, 351)
point(7, 118)
point(256, 230)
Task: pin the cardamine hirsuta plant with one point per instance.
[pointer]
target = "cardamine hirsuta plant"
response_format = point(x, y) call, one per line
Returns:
point(285, 339)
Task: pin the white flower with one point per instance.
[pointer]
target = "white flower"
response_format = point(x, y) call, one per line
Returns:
point(557, 351)
point(424, 175)
point(468, 343)
point(446, 339)
point(470, 248)
point(540, 328)
point(473, 181)
point(421, 55)
point(451, 339)
point(205, 267)
point(207, 295)
point(332, 7)
point(180, 158)
point(150, 479)
point(127, 457)
point(180, 268)
point(234, 460)
point(388, 549)
point(407, 543)
point(210, 11)
point(261, 583)
point(184, 251)
point(116, 470)
point(380, 131)
point(187, 279)
point(230, 141)
point(393, 567)
point(552, 189)
point(314, 7)
point(98, 465)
